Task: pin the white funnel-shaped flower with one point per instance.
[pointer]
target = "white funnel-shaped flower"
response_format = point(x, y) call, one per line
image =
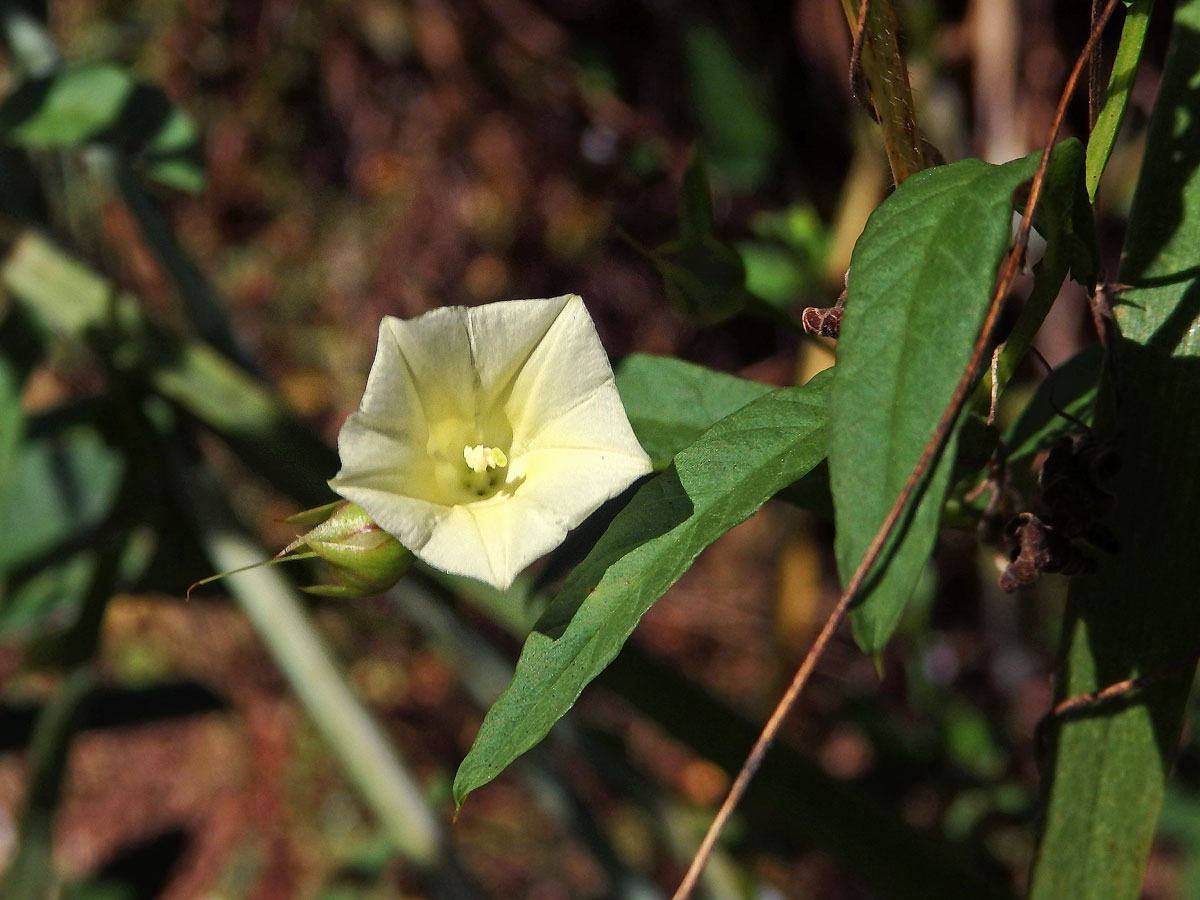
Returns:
point(486, 433)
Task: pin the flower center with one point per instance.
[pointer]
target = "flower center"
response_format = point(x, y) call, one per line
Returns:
point(480, 458)
point(486, 468)
point(470, 458)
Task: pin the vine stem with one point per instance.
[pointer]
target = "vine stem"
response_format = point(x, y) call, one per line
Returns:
point(877, 52)
point(1009, 269)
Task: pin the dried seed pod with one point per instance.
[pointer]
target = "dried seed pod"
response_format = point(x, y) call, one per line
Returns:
point(1072, 499)
point(825, 321)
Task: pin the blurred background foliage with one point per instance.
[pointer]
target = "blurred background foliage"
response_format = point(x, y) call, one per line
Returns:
point(207, 206)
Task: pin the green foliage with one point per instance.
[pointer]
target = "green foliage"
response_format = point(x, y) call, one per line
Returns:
point(704, 277)
point(1120, 86)
point(920, 282)
point(12, 425)
point(671, 402)
point(49, 599)
point(714, 484)
point(786, 259)
point(1070, 388)
point(1065, 220)
point(1137, 617)
point(63, 486)
point(739, 134)
point(31, 874)
point(69, 298)
point(105, 104)
point(705, 280)
point(82, 509)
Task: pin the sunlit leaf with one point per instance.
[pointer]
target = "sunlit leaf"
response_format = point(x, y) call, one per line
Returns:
point(670, 402)
point(714, 484)
point(1064, 218)
point(1120, 87)
point(103, 103)
point(920, 280)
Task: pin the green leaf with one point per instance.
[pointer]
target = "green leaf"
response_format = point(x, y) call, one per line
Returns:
point(695, 200)
point(12, 424)
point(773, 273)
point(1120, 86)
point(1071, 388)
point(69, 298)
point(1138, 615)
point(788, 256)
point(714, 484)
point(52, 596)
point(739, 134)
point(1064, 218)
point(103, 103)
point(705, 280)
point(670, 402)
point(63, 486)
point(32, 873)
point(920, 281)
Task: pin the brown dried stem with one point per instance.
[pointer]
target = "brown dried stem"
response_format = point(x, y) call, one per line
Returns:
point(877, 43)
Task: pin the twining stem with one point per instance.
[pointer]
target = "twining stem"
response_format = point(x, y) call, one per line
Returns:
point(887, 77)
point(1009, 270)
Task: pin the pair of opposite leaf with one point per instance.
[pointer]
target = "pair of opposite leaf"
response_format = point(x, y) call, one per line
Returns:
point(484, 435)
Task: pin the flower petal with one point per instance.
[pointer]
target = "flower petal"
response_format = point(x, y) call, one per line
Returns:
point(561, 372)
point(424, 366)
point(495, 541)
point(527, 380)
point(504, 337)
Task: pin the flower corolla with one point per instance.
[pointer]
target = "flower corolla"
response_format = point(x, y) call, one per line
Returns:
point(486, 433)
point(1035, 249)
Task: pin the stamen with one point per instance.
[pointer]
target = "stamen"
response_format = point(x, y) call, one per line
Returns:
point(480, 458)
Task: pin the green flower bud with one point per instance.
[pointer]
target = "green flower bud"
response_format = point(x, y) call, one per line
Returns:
point(364, 558)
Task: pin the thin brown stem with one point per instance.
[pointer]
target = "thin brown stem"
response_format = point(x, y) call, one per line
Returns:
point(1081, 704)
point(858, 82)
point(1009, 270)
point(1095, 100)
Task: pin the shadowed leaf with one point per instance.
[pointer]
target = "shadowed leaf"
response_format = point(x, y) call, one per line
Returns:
point(714, 484)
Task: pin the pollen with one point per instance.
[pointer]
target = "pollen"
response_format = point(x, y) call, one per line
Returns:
point(481, 459)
